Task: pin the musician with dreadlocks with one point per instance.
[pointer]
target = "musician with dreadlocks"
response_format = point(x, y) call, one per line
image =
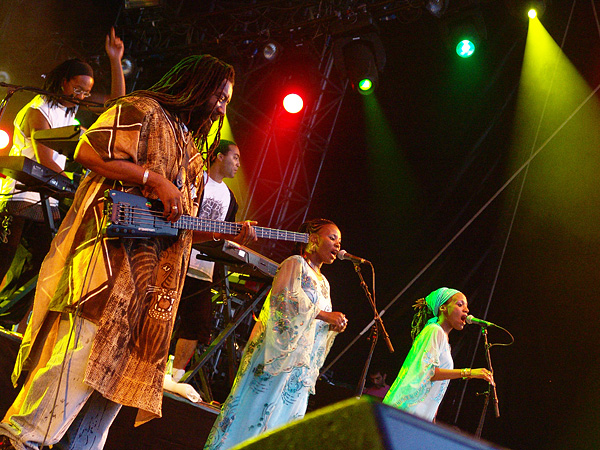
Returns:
point(104, 308)
point(22, 231)
point(428, 368)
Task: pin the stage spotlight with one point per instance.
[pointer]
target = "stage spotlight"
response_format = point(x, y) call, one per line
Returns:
point(535, 7)
point(271, 51)
point(365, 84)
point(4, 139)
point(361, 67)
point(465, 48)
point(128, 66)
point(464, 33)
point(436, 7)
point(4, 77)
point(137, 4)
point(360, 59)
point(530, 8)
point(293, 103)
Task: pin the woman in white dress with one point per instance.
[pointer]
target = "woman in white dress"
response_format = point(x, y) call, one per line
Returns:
point(428, 368)
point(288, 345)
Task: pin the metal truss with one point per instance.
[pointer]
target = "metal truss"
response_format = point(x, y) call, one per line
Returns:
point(290, 157)
point(188, 24)
point(290, 163)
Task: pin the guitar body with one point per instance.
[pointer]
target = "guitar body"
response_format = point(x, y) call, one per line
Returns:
point(133, 216)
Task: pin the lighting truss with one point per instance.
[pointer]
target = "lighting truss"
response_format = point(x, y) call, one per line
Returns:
point(237, 30)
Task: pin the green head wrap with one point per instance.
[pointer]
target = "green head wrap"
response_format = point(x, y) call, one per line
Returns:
point(438, 298)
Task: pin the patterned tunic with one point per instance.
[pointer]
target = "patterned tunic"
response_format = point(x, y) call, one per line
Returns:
point(281, 361)
point(413, 390)
point(129, 287)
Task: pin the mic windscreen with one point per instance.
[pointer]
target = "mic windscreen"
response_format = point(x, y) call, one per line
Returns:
point(470, 319)
point(341, 254)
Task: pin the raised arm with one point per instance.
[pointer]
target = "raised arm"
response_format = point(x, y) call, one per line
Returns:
point(114, 49)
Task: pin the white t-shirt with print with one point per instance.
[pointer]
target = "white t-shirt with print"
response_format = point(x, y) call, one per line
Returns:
point(215, 205)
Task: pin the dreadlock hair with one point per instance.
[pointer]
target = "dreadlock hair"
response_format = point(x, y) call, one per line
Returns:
point(310, 227)
point(64, 71)
point(223, 147)
point(189, 85)
point(422, 315)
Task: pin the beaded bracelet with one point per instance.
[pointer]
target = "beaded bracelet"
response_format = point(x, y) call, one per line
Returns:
point(465, 373)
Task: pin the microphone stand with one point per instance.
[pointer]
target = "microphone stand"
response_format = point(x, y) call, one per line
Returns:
point(378, 325)
point(491, 388)
point(363, 376)
point(12, 88)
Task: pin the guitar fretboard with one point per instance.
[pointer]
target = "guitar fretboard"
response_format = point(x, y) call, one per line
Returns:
point(215, 226)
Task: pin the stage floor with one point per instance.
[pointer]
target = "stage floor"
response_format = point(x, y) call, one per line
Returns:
point(184, 425)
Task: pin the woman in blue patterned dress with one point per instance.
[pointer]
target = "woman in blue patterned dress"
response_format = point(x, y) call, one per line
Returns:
point(288, 345)
point(428, 368)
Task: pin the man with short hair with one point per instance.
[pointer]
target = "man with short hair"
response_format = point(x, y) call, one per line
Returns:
point(377, 380)
point(218, 203)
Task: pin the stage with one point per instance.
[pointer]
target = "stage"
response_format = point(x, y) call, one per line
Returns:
point(348, 424)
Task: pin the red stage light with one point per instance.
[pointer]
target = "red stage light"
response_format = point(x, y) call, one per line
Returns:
point(293, 103)
point(4, 139)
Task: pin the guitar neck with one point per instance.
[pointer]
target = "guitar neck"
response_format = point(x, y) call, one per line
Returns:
point(232, 228)
point(133, 216)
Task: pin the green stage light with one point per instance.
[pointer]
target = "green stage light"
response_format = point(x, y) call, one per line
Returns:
point(365, 85)
point(465, 48)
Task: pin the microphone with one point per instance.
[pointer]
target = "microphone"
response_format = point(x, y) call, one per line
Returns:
point(343, 254)
point(474, 320)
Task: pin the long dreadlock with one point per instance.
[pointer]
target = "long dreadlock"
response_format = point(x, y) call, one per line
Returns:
point(422, 315)
point(188, 86)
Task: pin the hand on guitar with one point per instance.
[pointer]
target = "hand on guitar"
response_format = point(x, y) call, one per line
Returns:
point(168, 194)
point(247, 233)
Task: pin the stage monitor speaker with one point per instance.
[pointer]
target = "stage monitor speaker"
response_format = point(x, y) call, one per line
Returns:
point(362, 424)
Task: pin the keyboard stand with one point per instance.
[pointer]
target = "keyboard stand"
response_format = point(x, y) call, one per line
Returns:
point(226, 333)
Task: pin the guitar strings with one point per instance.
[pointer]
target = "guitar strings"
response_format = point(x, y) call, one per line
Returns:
point(127, 212)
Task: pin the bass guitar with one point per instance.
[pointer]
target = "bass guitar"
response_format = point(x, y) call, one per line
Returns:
point(133, 216)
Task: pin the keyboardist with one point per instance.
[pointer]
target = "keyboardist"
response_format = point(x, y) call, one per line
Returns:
point(24, 237)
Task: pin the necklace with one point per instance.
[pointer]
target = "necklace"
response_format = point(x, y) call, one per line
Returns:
point(313, 266)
